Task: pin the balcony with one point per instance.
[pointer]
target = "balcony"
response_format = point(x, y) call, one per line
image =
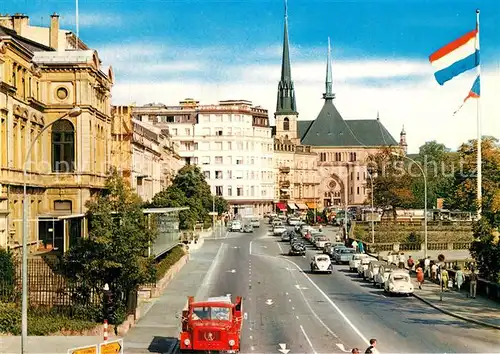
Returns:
point(284, 196)
point(284, 183)
point(285, 169)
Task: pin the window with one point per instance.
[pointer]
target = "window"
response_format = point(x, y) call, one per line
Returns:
point(218, 191)
point(174, 131)
point(286, 124)
point(358, 190)
point(322, 156)
point(196, 146)
point(218, 159)
point(218, 174)
point(205, 146)
point(252, 161)
point(239, 191)
point(188, 131)
point(205, 160)
point(63, 146)
point(239, 146)
point(229, 160)
point(229, 145)
point(218, 146)
point(239, 174)
point(239, 160)
point(218, 132)
point(206, 131)
point(229, 191)
point(206, 174)
point(252, 190)
point(338, 156)
point(230, 174)
point(352, 156)
point(357, 176)
point(218, 118)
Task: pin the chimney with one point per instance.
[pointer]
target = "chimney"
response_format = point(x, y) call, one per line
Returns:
point(18, 22)
point(54, 31)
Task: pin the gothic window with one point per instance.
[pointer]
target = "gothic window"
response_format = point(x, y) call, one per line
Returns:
point(352, 156)
point(286, 124)
point(322, 156)
point(338, 156)
point(63, 146)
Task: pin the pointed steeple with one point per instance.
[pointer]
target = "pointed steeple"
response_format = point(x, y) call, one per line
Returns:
point(286, 93)
point(329, 95)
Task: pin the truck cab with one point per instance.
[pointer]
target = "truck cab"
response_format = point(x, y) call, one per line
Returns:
point(213, 325)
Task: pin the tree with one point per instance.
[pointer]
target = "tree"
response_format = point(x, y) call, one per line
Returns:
point(116, 250)
point(392, 187)
point(189, 188)
point(7, 276)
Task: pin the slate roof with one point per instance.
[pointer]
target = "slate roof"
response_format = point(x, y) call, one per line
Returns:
point(25, 42)
point(330, 129)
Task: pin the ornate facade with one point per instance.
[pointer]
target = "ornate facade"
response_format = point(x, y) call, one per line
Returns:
point(69, 161)
point(144, 154)
point(340, 148)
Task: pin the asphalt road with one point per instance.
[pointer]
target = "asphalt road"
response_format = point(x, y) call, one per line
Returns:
point(321, 313)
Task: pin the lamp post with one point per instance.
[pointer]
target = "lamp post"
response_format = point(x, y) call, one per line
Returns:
point(74, 112)
point(425, 197)
point(372, 217)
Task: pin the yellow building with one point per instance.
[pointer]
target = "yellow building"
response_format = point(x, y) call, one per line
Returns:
point(144, 154)
point(69, 161)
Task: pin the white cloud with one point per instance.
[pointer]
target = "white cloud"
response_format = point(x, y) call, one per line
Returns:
point(421, 105)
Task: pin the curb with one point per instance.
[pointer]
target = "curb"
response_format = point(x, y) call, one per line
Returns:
point(481, 323)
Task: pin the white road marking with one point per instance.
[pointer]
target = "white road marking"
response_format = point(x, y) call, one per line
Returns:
point(356, 330)
point(283, 349)
point(308, 340)
point(341, 347)
point(293, 308)
point(252, 347)
point(286, 293)
point(269, 302)
point(231, 271)
point(250, 248)
point(289, 300)
point(300, 287)
point(245, 316)
point(297, 317)
point(250, 337)
point(281, 248)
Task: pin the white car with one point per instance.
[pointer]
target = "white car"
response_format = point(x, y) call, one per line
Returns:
point(373, 269)
point(399, 282)
point(255, 222)
point(293, 221)
point(356, 261)
point(236, 225)
point(321, 241)
point(321, 263)
point(363, 265)
point(383, 274)
point(278, 230)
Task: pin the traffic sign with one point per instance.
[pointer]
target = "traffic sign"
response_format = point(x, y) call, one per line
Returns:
point(91, 349)
point(111, 347)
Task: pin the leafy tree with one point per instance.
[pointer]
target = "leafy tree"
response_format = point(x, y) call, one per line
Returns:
point(486, 250)
point(189, 188)
point(116, 250)
point(392, 187)
point(7, 276)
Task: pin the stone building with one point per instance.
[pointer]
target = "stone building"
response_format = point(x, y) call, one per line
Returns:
point(143, 153)
point(340, 147)
point(230, 141)
point(68, 163)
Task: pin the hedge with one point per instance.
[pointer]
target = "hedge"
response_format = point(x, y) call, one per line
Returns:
point(40, 323)
point(173, 256)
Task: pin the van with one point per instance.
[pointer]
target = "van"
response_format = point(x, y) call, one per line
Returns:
point(255, 222)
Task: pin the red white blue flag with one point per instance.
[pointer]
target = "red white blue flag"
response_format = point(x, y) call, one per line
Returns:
point(475, 92)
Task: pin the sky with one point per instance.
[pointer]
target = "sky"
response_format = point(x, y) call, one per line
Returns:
point(165, 51)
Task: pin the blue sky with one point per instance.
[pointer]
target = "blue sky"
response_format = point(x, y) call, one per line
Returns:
point(161, 50)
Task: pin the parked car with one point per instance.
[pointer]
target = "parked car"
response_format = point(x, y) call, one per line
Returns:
point(363, 266)
point(285, 236)
point(335, 250)
point(383, 274)
point(278, 230)
point(293, 221)
point(373, 269)
point(320, 241)
point(399, 282)
point(344, 255)
point(356, 260)
point(247, 228)
point(321, 263)
point(236, 225)
point(255, 222)
point(297, 249)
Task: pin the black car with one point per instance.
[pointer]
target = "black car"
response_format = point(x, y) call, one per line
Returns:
point(297, 249)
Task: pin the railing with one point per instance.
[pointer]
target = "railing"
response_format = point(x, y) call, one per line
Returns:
point(431, 246)
point(285, 169)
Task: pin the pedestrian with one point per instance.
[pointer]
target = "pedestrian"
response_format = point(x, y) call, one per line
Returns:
point(355, 351)
point(427, 266)
point(459, 277)
point(444, 278)
point(411, 263)
point(361, 248)
point(373, 344)
point(473, 283)
point(420, 277)
point(434, 269)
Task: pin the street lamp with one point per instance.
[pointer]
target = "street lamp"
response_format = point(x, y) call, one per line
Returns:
point(372, 217)
point(425, 197)
point(74, 112)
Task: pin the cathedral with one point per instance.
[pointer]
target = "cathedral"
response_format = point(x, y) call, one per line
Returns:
point(322, 162)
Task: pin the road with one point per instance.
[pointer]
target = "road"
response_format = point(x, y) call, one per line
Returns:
point(313, 313)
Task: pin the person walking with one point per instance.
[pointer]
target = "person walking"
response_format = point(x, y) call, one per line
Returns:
point(434, 269)
point(411, 263)
point(473, 283)
point(420, 277)
point(459, 277)
point(427, 266)
point(355, 351)
point(444, 278)
point(373, 344)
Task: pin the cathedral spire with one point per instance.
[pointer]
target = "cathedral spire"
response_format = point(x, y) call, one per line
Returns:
point(329, 95)
point(286, 92)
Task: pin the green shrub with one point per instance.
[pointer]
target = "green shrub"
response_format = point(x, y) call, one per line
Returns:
point(7, 276)
point(41, 322)
point(170, 259)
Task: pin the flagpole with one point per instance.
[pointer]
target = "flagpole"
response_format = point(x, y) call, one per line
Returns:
point(77, 20)
point(479, 133)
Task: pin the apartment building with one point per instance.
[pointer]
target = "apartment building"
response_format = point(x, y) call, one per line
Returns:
point(230, 141)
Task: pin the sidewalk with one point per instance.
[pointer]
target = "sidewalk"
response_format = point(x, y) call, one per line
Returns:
point(480, 310)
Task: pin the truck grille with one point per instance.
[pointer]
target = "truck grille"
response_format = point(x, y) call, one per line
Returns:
point(209, 336)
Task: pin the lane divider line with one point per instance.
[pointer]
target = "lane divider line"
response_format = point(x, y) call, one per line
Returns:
point(307, 339)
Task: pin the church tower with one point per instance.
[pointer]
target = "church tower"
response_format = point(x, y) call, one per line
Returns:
point(402, 141)
point(286, 114)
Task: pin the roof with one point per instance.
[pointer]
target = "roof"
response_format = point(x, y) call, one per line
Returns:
point(76, 56)
point(25, 42)
point(330, 129)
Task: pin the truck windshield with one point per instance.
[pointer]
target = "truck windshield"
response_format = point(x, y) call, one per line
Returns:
point(211, 313)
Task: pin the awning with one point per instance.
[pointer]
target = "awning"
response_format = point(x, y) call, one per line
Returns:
point(302, 206)
point(281, 206)
point(311, 205)
point(292, 206)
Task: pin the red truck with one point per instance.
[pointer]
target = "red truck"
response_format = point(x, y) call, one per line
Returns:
point(213, 325)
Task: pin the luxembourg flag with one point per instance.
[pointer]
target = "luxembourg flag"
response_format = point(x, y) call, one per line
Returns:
point(475, 92)
point(457, 57)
